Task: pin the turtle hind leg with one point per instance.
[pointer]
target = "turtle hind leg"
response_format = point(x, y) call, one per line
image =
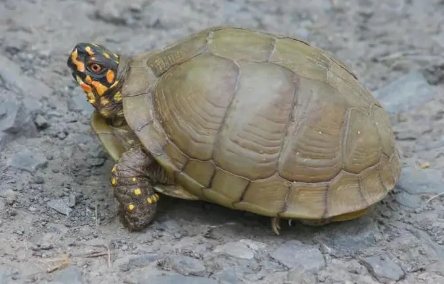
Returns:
point(133, 190)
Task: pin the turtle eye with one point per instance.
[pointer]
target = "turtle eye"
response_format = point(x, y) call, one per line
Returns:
point(95, 67)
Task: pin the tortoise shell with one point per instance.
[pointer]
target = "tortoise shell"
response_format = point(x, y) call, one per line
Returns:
point(262, 123)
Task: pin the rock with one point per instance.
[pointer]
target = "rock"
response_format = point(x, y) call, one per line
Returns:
point(348, 238)
point(15, 121)
point(60, 205)
point(5, 277)
point(383, 268)
point(409, 200)
point(118, 12)
point(136, 261)
point(14, 80)
point(421, 181)
point(235, 249)
point(27, 160)
point(295, 254)
point(70, 275)
point(188, 266)
point(176, 279)
point(253, 245)
point(227, 276)
point(41, 122)
point(298, 275)
point(405, 93)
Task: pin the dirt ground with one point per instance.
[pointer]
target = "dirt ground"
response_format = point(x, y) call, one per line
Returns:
point(58, 219)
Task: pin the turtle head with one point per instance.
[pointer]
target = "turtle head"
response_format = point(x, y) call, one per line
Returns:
point(95, 68)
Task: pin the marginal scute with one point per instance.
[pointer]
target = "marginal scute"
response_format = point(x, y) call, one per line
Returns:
point(395, 166)
point(306, 201)
point(344, 195)
point(240, 44)
point(361, 146)
point(313, 150)
point(373, 190)
point(191, 101)
point(250, 142)
point(350, 88)
point(303, 59)
point(226, 188)
point(387, 176)
point(201, 171)
point(267, 196)
point(190, 184)
point(382, 122)
point(178, 53)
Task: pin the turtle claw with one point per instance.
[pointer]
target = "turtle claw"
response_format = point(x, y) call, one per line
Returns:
point(275, 225)
point(289, 222)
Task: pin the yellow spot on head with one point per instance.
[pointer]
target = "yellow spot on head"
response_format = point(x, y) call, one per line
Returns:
point(104, 101)
point(118, 96)
point(91, 98)
point(134, 179)
point(89, 50)
point(131, 207)
point(137, 191)
point(106, 55)
point(113, 181)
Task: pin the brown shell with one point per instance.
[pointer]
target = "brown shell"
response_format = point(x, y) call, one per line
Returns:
point(262, 123)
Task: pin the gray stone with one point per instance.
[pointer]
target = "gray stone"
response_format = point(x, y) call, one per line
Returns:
point(5, 277)
point(70, 275)
point(348, 238)
point(136, 261)
point(405, 93)
point(15, 120)
point(186, 265)
point(27, 160)
point(14, 80)
point(227, 276)
point(295, 254)
point(41, 122)
point(383, 268)
point(235, 249)
point(409, 200)
point(421, 181)
point(177, 279)
point(298, 275)
point(60, 205)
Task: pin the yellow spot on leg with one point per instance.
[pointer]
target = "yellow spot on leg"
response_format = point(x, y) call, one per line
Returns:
point(113, 170)
point(149, 200)
point(118, 96)
point(137, 191)
point(113, 181)
point(134, 179)
point(131, 207)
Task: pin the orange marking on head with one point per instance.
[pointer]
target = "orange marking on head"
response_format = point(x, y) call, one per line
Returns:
point(91, 98)
point(99, 87)
point(106, 55)
point(110, 76)
point(80, 65)
point(88, 79)
point(85, 87)
point(89, 50)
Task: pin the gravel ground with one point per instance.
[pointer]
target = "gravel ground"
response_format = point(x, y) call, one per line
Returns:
point(58, 219)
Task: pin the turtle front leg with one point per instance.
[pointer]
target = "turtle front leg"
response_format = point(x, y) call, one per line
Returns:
point(133, 190)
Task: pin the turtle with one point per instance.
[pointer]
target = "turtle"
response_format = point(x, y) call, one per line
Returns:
point(247, 119)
